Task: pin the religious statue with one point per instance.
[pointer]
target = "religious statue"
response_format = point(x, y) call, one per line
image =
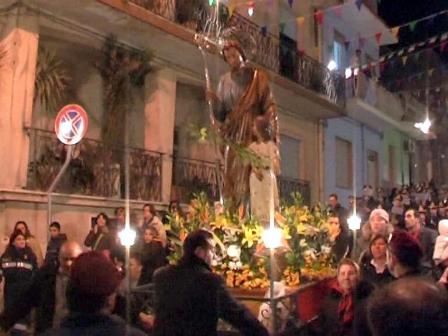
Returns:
point(243, 94)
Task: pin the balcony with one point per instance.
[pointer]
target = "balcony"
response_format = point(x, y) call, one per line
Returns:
point(193, 176)
point(374, 105)
point(300, 68)
point(94, 170)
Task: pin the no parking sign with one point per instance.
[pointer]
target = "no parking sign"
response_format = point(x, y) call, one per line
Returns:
point(71, 124)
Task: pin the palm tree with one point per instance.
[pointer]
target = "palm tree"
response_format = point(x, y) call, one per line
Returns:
point(51, 81)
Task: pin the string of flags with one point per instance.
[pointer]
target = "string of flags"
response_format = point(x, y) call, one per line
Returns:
point(414, 50)
point(337, 10)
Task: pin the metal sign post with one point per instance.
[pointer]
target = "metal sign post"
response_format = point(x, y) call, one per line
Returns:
point(70, 127)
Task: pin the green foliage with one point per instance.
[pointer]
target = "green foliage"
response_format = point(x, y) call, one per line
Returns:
point(51, 81)
point(121, 69)
point(241, 256)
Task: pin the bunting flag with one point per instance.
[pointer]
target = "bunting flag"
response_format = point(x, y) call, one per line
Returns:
point(319, 16)
point(430, 72)
point(433, 40)
point(412, 25)
point(290, 2)
point(444, 36)
point(358, 4)
point(337, 10)
point(395, 31)
point(264, 30)
point(210, 2)
point(378, 37)
point(300, 20)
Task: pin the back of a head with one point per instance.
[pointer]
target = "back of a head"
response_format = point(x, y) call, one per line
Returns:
point(409, 307)
point(93, 279)
point(406, 249)
point(197, 238)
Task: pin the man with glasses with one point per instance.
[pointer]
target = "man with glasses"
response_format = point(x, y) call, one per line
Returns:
point(190, 298)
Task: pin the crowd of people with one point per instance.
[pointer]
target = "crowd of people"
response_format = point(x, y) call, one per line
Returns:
point(399, 259)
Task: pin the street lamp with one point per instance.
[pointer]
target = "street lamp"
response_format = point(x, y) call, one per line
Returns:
point(272, 238)
point(332, 65)
point(354, 224)
point(127, 237)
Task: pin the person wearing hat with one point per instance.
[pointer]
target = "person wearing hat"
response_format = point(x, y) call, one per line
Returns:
point(243, 94)
point(190, 298)
point(405, 255)
point(91, 295)
point(426, 237)
point(378, 224)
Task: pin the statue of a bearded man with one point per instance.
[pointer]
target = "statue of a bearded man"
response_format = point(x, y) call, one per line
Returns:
point(243, 94)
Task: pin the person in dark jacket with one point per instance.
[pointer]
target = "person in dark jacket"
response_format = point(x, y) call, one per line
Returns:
point(18, 267)
point(426, 237)
point(190, 298)
point(54, 244)
point(343, 311)
point(374, 264)
point(340, 237)
point(152, 254)
point(90, 297)
point(99, 239)
point(46, 293)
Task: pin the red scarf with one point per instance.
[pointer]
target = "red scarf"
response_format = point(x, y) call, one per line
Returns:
point(346, 311)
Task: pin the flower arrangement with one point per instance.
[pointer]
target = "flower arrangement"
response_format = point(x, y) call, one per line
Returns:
point(240, 254)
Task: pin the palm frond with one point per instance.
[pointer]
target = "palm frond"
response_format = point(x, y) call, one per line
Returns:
point(51, 81)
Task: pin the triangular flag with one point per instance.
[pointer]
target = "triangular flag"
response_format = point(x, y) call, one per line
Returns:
point(412, 25)
point(358, 4)
point(290, 2)
point(364, 67)
point(319, 16)
point(282, 27)
point(433, 40)
point(443, 45)
point(431, 71)
point(210, 2)
point(404, 59)
point(382, 59)
point(411, 48)
point(401, 52)
point(395, 31)
point(300, 20)
point(264, 31)
point(444, 36)
point(378, 37)
point(337, 10)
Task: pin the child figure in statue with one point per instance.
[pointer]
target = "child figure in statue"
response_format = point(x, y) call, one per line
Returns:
point(263, 182)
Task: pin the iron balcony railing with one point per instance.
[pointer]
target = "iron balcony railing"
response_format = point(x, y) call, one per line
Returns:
point(267, 49)
point(287, 186)
point(94, 170)
point(192, 176)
